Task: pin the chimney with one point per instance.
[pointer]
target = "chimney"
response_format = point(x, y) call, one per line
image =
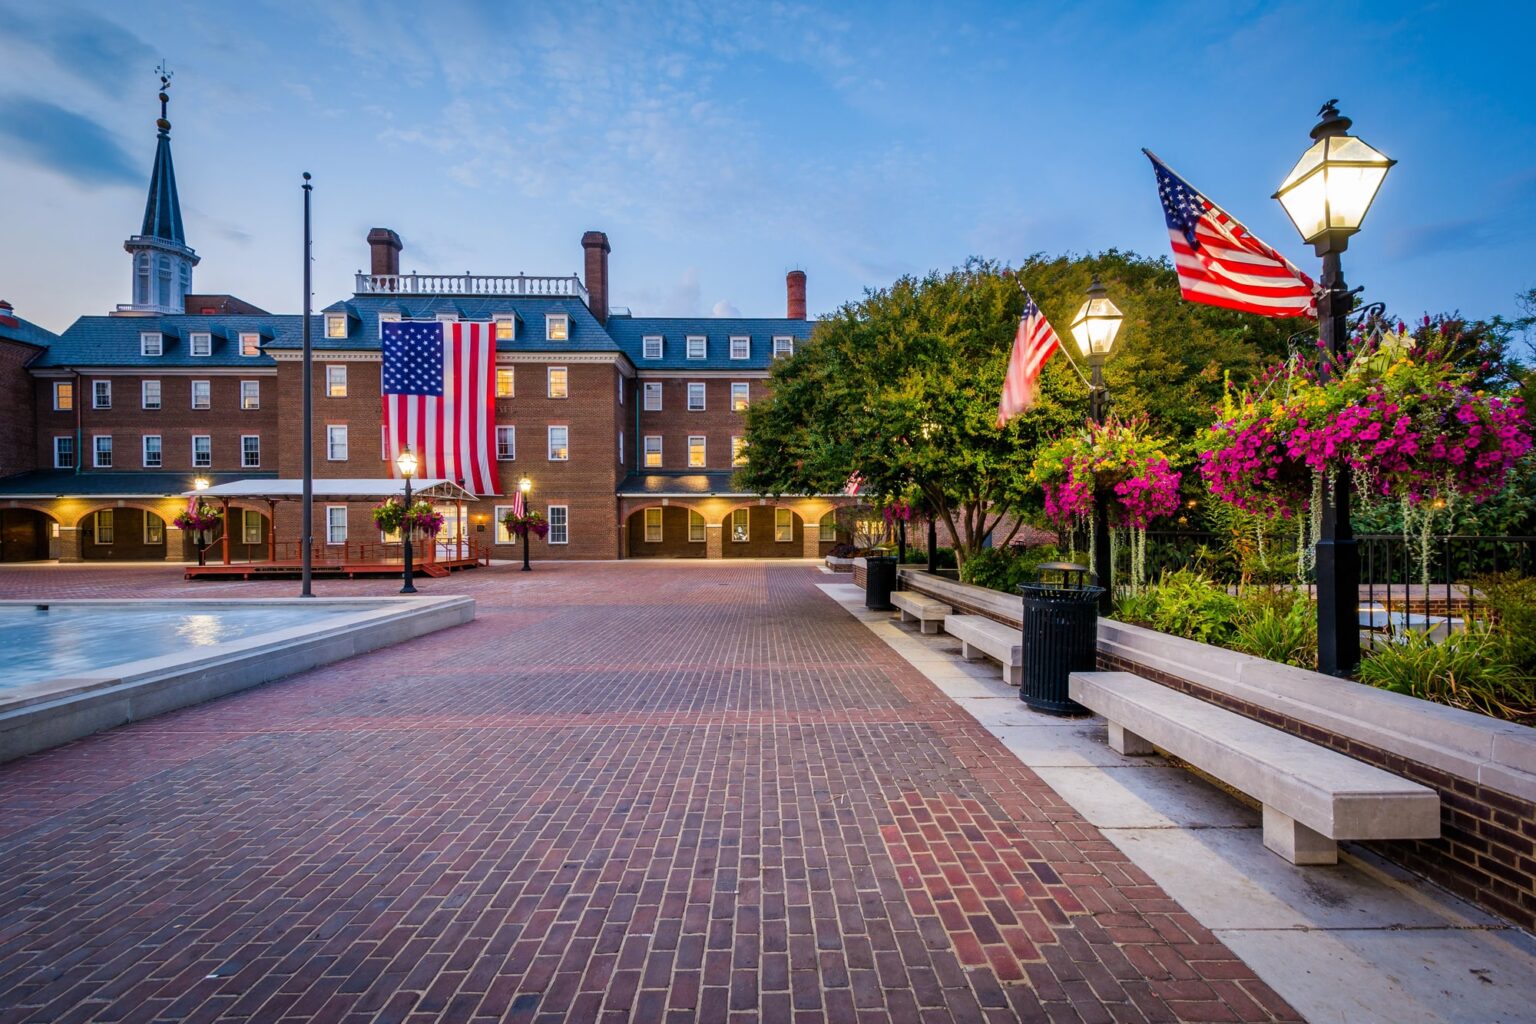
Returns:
point(595, 247)
point(8, 315)
point(384, 245)
point(794, 286)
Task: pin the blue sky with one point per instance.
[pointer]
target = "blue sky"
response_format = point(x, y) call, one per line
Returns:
point(720, 145)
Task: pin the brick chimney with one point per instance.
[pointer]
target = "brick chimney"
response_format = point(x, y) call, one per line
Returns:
point(595, 247)
point(8, 315)
point(384, 246)
point(794, 287)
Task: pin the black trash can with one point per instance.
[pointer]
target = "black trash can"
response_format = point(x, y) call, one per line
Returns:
point(1060, 636)
point(879, 581)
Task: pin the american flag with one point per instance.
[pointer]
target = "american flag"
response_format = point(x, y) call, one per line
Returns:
point(855, 481)
point(518, 508)
point(1032, 346)
point(1220, 263)
point(439, 397)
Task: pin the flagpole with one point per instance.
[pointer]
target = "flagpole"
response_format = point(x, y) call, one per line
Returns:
point(306, 532)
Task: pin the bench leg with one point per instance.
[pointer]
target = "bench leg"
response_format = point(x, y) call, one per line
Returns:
point(902, 615)
point(929, 625)
point(969, 653)
point(1295, 842)
point(1123, 741)
point(1013, 675)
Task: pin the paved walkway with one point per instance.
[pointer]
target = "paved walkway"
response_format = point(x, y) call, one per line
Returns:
point(626, 792)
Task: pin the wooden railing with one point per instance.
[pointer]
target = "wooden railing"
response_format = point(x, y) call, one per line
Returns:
point(470, 284)
point(361, 553)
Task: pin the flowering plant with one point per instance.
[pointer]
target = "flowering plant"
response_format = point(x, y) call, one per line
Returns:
point(392, 516)
point(897, 511)
point(1120, 458)
point(521, 526)
point(197, 517)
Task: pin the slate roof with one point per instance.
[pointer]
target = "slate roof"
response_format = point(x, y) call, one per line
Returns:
point(630, 333)
point(162, 210)
point(679, 482)
point(14, 328)
point(49, 483)
point(114, 340)
point(586, 334)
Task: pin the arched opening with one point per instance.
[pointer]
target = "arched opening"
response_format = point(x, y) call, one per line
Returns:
point(27, 535)
point(831, 532)
point(123, 533)
point(763, 531)
point(666, 531)
point(249, 533)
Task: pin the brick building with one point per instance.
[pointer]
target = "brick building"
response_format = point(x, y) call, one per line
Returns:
point(628, 428)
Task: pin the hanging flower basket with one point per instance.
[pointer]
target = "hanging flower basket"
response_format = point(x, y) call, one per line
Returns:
point(199, 519)
point(521, 526)
point(1119, 459)
point(420, 520)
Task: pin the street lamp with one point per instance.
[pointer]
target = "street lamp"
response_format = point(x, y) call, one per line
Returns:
point(405, 462)
point(201, 538)
point(523, 487)
point(1095, 329)
point(1327, 195)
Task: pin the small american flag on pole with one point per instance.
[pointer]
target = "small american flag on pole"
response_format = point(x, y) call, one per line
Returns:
point(439, 395)
point(1032, 346)
point(855, 481)
point(1220, 263)
point(518, 508)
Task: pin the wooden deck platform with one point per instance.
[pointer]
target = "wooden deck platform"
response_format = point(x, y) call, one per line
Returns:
point(324, 569)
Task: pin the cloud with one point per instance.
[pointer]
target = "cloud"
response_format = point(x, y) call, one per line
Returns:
point(725, 307)
point(67, 143)
point(87, 46)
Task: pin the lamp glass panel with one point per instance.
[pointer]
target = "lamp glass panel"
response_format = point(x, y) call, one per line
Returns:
point(407, 463)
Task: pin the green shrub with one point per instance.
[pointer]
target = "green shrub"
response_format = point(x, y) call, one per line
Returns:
point(1189, 604)
point(1469, 669)
point(1279, 625)
point(1005, 568)
point(1511, 599)
point(919, 556)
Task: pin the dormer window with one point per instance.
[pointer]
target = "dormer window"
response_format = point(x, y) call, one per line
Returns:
point(447, 318)
point(151, 343)
point(387, 318)
point(557, 327)
point(651, 347)
point(697, 345)
point(250, 345)
point(783, 347)
point(335, 325)
point(741, 348)
point(202, 344)
point(506, 327)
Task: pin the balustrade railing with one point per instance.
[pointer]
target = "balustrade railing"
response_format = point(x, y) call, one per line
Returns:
point(471, 284)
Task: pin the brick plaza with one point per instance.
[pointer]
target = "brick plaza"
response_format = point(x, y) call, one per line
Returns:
point(627, 792)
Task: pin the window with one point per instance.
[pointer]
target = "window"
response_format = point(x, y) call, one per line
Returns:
point(154, 529)
point(202, 344)
point(63, 396)
point(447, 318)
point(559, 524)
point(506, 444)
point(63, 453)
point(696, 397)
point(741, 348)
point(653, 526)
point(695, 527)
point(149, 394)
point(151, 343)
point(250, 345)
point(250, 394)
point(383, 444)
point(250, 451)
point(650, 347)
point(559, 444)
point(740, 529)
point(101, 445)
point(103, 523)
point(335, 380)
point(653, 451)
point(202, 450)
point(621, 447)
point(557, 327)
point(503, 535)
point(558, 382)
point(783, 347)
point(697, 346)
point(828, 528)
point(783, 525)
point(202, 394)
point(653, 396)
point(101, 394)
point(336, 442)
point(506, 382)
point(506, 327)
point(738, 450)
point(387, 318)
point(335, 524)
point(250, 526)
point(153, 455)
point(335, 325)
point(696, 451)
point(620, 388)
point(741, 393)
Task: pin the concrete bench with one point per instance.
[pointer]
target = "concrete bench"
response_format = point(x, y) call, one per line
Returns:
point(979, 636)
point(928, 612)
point(1312, 796)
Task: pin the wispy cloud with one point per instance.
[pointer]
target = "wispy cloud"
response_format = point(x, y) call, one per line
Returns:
point(59, 140)
point(85, 45)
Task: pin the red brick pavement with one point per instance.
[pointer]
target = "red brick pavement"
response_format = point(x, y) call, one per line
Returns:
point(626, 792)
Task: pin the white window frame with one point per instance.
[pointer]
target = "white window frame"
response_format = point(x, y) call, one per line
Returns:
point(58, 462)
point(252, 400)
point(741, 347)
point(549, 382)
point(745, 526)
point(335, 380)
point(245, 462)
point(783, 346)
point(648, 535)
point(387, 318)
point(826, 528)
point(741, 395)
point(335, 325)
point(63, 387)
point(151, 343)
point(783, 526)
point(565, 445)
point(201, 343)
point(701, 391)
point(208, 454)
point(255, 347)
point(145, 386)
point(509, 374)
point(700, 442)
point(651, 395)
point(501, 534)
point(248, 516)
point(333, 433)
point(738, 450)
point(96, 451)
point(646, 453)
point(207, 394)
point(507, 321)
point(332, 522)
point(696, 519)
point(153, 536)
point(696, 343)
point(99, 517)
point(621, 447)
point(508, 431)
point(559, 525)
point(550, 320)
point(621, 388)
point(652, 346)
point(101, 394)
point(159, 451)
point(446, 318)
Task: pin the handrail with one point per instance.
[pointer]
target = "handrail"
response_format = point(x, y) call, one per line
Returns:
point(471, 284)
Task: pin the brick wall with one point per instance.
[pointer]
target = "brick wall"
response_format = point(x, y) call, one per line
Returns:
point(761, 542)
point(18, 409)
point(717, 423)
point(674, 536)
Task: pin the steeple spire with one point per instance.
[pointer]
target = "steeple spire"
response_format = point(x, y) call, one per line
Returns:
point(162, 260)
point(162, 212)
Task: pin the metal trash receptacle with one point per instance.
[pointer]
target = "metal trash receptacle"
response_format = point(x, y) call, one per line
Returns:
point(879, 581)
point(1060, 636)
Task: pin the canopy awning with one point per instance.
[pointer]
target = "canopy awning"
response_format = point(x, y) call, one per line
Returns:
point(334, 489)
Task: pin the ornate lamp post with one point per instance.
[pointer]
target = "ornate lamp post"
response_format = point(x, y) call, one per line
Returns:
point(201, 538)
point(523, 487)
point(1095, 329)
point(1327, 195)
point(406, 463)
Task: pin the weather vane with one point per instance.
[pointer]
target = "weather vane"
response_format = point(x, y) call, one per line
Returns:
point(166, 74)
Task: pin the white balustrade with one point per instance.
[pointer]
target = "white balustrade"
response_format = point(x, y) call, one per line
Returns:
point(470, 284)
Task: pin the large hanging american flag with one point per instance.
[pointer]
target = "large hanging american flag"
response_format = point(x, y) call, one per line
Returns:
point(1032, 346)
point(1220, 263)
point(439, 399)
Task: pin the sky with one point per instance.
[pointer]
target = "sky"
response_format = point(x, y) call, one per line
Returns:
point(720, 145)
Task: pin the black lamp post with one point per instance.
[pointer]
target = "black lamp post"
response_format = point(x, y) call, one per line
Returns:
point(406, 463)
point(1326, 195)
point(524, 486)
point(1095, 329)
point(307, 514)
point(200, 484)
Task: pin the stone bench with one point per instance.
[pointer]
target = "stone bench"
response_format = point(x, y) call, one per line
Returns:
point(979, 635)
point(928, 612)
point(1312, 796)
